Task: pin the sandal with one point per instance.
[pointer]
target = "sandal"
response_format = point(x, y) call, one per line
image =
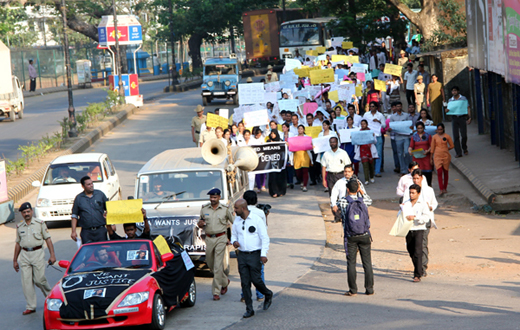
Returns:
point(416, 279)
point(350, 294)
point(274, 196)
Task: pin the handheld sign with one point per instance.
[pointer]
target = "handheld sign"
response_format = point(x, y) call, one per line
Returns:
point(394, 70)
point(125, 211)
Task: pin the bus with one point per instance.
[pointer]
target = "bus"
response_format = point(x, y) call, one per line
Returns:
point(304, 35)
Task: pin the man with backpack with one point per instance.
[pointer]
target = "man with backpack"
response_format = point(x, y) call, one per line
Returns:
point(357, 237)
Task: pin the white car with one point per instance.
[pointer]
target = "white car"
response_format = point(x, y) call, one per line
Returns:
point(61, 184)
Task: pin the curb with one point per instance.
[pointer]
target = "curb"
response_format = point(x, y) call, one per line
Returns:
point(488, 195)
point(20, 190)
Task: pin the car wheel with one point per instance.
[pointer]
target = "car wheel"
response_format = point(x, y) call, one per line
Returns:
point(158, 313)
point(20, 112)
point(12, 114)
point(192, 296)
point(204, 101)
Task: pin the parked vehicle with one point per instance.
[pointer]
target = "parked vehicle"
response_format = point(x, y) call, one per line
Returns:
point(11, 95)
point(61, 184)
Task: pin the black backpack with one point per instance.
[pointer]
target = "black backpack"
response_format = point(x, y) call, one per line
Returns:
point(357, 221)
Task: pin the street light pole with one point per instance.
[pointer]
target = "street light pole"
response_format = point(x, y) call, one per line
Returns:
point(118, 57)
point(73, 132)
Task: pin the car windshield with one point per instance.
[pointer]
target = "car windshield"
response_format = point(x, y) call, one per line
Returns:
point(116, 254)
point(299, 34)
point(178, 186)
point(72, 173)
point(219, 69)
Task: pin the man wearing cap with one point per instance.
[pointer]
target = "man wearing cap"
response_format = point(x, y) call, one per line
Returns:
point(270, 76)
point(249, 80)
point(88, 212)
point(214, 219)
point(196, 123)
point(30, 235)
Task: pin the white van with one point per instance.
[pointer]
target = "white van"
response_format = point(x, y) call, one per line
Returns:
point(174, 185)
point(12, 104)
point(61, 184)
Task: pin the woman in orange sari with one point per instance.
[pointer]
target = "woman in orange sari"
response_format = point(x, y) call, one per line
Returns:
point(440, 156)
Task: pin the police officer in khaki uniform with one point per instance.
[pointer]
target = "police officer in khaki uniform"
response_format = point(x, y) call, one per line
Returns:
point(30, 235)
point(214, 218)
point(196, 123)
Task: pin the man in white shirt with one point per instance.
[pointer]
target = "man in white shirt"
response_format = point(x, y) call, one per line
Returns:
point(352, 113)
point(428, 196)
point(402, 141)
point(410, 76)
point(295, 122)
point(406, 180)
point(415, 209)
point(376, 121)
point(333, 164)
point(310, 120)
point(249, 236)
point(340, 190)
point(381, 57)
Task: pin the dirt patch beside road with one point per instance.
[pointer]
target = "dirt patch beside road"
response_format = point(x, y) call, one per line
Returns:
point(466, 245)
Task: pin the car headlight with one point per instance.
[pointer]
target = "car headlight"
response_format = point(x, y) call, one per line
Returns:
point(227, 83)
point(134, 299)
point(54, 304)
point(210, 83)
point(43, 202)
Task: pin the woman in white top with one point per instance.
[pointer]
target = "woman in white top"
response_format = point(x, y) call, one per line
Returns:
point(219, 132)
point(227, 138)
point(286, 134)
point(425, 118)
point(258, 139)
point(240, 134)
point(393, 89)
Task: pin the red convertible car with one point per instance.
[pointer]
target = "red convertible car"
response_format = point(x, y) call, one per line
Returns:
point(120, 283)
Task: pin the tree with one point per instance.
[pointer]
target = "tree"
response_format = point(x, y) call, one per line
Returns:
point(452, 26)
point(427, 20)
point(12, 32)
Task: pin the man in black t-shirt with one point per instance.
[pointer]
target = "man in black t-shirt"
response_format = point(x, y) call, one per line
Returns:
point(130, 230)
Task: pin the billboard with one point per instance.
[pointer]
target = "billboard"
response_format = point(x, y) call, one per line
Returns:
point(511, 19)
point(129, 30)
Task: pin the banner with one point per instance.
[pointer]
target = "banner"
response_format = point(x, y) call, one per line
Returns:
point(256, 118)
point(457, 108)
point(124, 211)
point(345, 134)
point(313, 131)
point(288, 104)
point(379, 85)
point(394, 70)
point(322, 76)
point(272, 157)
point(511, 35)
point(362, 137)
point(401, 127)
point(182, 229)
point(250, 93)
point(299, 143)
point(213, 120)
point(321, 144)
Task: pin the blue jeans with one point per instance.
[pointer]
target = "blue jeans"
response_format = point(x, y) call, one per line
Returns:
point(379, 147)
point(258, 294)
point(396, 157)
point(402, 150)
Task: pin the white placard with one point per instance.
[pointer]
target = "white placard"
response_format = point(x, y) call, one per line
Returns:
point(250, 93)
point(223, 113)
point(256, 118)
point(336, 41)
point(357, 69)
point(291, 64)
point(288, 104)
point(321, 144)
point(187, 260)
point(270, 97)
point(340, 123)
point(272, 87)
point(344, 134)
point(346, 91)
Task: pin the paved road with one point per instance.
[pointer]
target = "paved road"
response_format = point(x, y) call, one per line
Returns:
point(297, 233)
point(42, 113)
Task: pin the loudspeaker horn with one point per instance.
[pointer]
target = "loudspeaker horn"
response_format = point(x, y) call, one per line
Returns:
point(214, 151)
point(245, 158)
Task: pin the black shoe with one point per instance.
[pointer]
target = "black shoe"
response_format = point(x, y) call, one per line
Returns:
point(248, 314)
point(267, 302)
point(313, 184)
point(291, 186)
point(397, 170)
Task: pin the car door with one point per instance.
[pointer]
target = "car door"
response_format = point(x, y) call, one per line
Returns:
point(110, 189)
point(114, 177)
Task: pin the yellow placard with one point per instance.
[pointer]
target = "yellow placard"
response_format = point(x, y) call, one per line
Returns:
point(125, 211)
point(334, 96)
point(313, 131)
point(315, 68)
point(339, 58)
point(352, 59)
point(312, 52)
point(321, 50)
point(322, 76)
point(347, 45)
point(162, 245)
point(359, 91)
point(213, 120)
point(379, 85)
point(303, 72)
point(344, 113)
point(280, 128)
point(394, 70)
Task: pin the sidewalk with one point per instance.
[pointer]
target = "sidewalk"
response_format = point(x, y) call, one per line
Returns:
point(493, 172)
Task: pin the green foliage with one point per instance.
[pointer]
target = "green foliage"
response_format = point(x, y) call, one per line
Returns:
point(452, 26)
point(11, 31)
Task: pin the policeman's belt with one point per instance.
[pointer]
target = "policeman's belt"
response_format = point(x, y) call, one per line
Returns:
point(216, 235)
point(32, 249)
point(198, 132)
point(92, 228)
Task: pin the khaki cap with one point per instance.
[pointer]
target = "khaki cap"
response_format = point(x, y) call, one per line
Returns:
point(199, 108)
point(269, 67)
point(419, 77)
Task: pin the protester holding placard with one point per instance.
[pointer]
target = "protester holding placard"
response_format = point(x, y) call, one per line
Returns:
point(320, 115)
point(277, 182)
point(420, 147)
point(393, 88)
point(402, 139)
point(302, 162)
point(376, 121)
point(460, 111)
point(290, 159)
point(348, 147)
point(258, 139)
point(366, 154)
